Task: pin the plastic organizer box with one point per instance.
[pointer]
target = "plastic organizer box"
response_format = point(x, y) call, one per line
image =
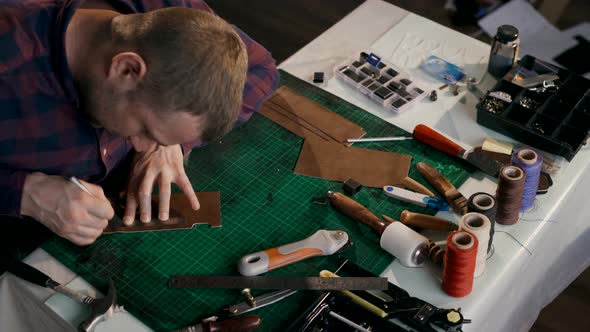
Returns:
point(552, 116)
point(382, 82)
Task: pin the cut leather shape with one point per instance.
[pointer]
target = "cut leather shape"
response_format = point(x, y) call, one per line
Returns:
point(306, 118)
point(332, 161)
point(181, 216)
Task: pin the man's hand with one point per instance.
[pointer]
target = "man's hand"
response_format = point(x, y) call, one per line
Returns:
point(164, 165)
point(65, 209)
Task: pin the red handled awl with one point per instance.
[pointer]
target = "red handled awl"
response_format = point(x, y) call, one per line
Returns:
point(478, 159)
point(321, 243)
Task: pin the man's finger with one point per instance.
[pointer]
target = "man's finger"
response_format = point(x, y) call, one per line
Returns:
point(164, 187)
point(187, 188)
point(89, 233)
point(144, 196)
point(101, 208)
point(130, 208)
point(93, 189)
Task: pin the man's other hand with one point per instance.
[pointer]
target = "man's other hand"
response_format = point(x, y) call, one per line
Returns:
point(161, 164)
point(65, 209)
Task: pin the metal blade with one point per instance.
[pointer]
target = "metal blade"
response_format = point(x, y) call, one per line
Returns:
point(261, 301)
point(484, 163)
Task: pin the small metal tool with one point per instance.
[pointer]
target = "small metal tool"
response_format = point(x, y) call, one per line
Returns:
point(259, 302)
point(101, 309)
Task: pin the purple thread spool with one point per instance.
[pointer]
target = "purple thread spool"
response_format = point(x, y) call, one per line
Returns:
point(530, 161)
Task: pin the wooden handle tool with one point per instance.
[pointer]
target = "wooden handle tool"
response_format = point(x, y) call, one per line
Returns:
point(235, 324)
point(357, 211)
point(445, 188)
point(426, 222)
point(416, 186)
point(321, 243)
point(433, 138)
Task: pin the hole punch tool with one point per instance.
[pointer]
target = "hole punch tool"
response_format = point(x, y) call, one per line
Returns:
point(389, 310)
point(101, 309)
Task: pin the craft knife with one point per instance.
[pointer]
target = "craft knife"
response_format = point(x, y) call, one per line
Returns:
point(309, 283)
point(433, 138)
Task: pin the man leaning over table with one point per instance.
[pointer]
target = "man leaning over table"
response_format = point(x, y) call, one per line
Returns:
point(87, 85)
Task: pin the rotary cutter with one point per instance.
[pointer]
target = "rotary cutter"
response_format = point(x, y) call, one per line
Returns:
point(321, 243)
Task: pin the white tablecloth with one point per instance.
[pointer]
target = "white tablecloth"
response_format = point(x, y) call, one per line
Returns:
point(535, 259)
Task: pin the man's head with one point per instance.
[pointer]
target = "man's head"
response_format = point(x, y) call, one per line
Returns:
point(169, 76)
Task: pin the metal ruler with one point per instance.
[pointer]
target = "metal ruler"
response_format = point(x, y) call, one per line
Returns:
point(311, 283)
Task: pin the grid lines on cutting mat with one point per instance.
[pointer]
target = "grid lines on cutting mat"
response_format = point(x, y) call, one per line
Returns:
point(263, 205)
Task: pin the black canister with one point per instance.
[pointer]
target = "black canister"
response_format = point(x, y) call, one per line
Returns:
point(504, 52)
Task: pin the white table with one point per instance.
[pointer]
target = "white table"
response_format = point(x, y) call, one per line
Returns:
point(517, 283)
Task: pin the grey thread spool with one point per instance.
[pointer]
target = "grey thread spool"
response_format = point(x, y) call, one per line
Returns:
point(485, 204)
point(509, 194)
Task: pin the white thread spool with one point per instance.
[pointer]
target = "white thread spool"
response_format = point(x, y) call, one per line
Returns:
point(408, 246)
point(479, 225)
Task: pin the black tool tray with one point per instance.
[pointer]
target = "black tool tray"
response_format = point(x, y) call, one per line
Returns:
point(556, 121)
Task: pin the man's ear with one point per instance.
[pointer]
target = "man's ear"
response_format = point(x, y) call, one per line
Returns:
point(126, 71)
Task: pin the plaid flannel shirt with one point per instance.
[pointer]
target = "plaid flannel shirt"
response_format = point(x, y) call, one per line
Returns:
point(41, 127)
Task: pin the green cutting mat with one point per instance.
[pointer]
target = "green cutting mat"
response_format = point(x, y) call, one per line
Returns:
point(263, 205)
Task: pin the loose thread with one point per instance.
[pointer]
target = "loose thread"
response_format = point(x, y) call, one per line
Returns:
point(540, 220)
point(515, 239)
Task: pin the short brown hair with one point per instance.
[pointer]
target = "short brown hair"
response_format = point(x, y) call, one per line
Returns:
point(196, 62)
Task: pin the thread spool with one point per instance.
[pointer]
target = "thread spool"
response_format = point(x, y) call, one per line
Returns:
point(485, 204)
point(478, 225)
point(459, 264)
point(509, 194)
point(530, 162)
point(408, 246)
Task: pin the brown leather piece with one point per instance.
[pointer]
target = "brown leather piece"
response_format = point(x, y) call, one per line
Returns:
point(182, 215)
point(332, 161)
point(306, 118)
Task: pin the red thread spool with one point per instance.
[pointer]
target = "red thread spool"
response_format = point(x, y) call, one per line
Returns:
point(459, 264)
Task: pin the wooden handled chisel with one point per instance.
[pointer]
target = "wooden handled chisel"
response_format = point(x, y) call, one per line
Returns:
point(444, 187)
point(433, 138)
point(423, 221)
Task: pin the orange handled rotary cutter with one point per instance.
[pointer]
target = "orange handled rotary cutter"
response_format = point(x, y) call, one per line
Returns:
point(321, 243)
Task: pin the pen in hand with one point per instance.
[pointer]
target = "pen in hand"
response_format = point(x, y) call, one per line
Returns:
point(79, 184)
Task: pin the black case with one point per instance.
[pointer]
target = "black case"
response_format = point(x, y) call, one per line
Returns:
point(561, 122)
